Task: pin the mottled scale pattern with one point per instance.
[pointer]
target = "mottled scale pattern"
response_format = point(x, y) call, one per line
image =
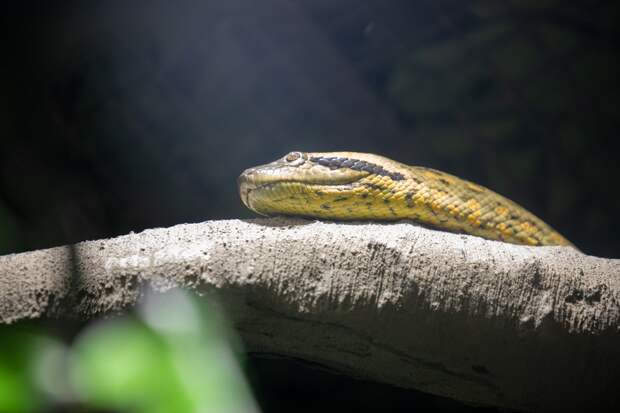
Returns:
point(358, 186)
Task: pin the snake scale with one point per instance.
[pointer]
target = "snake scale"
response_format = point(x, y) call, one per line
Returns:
point(361, 186)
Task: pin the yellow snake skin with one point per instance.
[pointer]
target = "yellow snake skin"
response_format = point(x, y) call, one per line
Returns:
point(361, 186)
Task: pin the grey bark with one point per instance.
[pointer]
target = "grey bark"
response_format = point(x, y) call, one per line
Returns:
point(529, 328)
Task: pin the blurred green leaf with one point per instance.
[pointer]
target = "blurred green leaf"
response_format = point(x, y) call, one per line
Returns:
point(179, 359)
point(18, 390)
point(176, 357)
point(124, 365)
point(201, 349)
point(15, 390)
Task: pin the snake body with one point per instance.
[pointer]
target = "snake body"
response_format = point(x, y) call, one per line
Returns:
point(361, 186)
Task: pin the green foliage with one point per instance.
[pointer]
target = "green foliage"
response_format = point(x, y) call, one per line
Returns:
point(17, 385)
point(173, 357)
point(125, 364)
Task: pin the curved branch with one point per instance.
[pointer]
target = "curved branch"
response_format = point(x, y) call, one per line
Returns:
point(532, 328)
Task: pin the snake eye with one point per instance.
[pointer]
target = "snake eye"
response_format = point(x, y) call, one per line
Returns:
point(295, 158)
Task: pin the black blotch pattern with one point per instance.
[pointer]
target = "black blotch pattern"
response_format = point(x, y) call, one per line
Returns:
point(375, 187)
point(409, 200)
point(357, 165)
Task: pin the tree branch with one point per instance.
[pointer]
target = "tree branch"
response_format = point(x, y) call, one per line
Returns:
point(531, 328)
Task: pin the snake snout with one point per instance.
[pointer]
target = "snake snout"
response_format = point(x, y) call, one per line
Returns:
point(245, 184)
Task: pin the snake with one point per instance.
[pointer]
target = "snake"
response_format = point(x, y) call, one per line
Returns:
point(363, 186)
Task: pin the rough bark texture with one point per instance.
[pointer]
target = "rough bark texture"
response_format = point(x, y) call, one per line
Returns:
point(530, 328)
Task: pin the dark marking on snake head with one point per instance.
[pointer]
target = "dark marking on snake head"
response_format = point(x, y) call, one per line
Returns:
point(341, 198)
point(444, 181)
point(321, 161)
point(357, 165)
point(325, 206)
point(386, 201)
point(375, 169)
point(319, 193)
point(347, 163)
point(514, 216)
point(364, 195)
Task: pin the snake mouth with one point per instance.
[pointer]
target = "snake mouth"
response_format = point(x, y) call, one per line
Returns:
point(249, 190)
point(258, 195)
point(246, 186)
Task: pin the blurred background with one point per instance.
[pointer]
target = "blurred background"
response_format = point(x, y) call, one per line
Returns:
point(118, 116)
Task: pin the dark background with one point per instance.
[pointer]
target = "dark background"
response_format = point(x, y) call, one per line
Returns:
point(118, 116)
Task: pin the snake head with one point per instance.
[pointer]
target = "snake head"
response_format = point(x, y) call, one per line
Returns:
point(282, 186)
